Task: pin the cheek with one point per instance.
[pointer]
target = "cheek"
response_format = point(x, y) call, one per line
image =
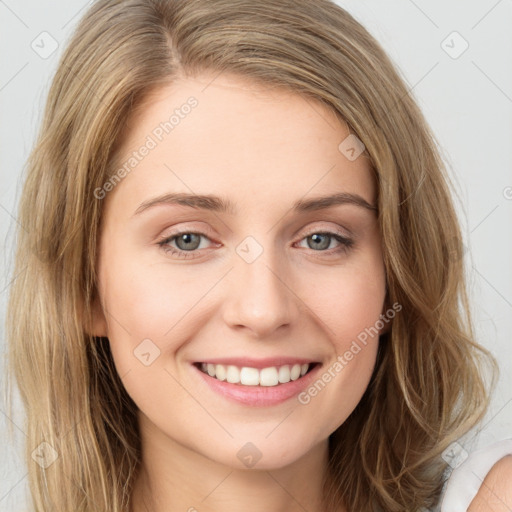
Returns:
point(148, 298)
point(149, 309)
point(349, 301)
point(153, 308)
point(350, 309)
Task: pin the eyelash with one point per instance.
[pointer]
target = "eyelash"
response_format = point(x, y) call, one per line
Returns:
point(346, 243)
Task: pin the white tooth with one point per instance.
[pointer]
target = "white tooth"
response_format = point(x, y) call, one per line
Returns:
point(271, 376)
point(295, 372)
point(284, 374)
point(249, 376)
point(268, 376)
point(233, 374)
point(220, 372)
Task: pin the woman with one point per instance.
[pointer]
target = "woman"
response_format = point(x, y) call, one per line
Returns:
point(262, 368)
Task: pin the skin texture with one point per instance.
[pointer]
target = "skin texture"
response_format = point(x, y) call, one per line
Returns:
point(263, 150)
point(495, 493)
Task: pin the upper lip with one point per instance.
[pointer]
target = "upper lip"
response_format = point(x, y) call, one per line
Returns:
point(257, 363)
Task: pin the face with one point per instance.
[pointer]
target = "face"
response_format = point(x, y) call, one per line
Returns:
point(216, 307)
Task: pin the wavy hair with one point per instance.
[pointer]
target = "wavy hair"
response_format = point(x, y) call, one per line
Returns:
point(428, 387)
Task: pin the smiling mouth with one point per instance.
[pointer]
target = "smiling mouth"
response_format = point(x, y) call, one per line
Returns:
point(248, 376)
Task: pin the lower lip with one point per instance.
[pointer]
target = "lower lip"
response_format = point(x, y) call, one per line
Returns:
point(259, 396)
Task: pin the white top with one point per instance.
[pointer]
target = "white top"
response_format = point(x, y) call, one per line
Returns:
point(466, 478)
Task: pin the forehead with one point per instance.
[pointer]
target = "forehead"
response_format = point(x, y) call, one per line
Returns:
point(229, 136)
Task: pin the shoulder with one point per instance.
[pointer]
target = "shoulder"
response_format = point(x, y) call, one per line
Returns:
point(483, 478)
point(495, 493)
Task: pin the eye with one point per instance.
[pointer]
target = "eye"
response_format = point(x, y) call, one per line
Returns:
point(321, 240)
point(188, 242)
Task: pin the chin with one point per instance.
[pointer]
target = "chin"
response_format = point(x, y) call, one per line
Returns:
point(260, 453)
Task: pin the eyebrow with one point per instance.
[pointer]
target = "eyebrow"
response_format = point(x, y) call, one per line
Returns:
point(218, 204)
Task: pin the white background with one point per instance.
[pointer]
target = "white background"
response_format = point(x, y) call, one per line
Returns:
point(467, 101)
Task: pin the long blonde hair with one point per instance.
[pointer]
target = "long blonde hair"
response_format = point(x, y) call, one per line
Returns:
point(427, 388)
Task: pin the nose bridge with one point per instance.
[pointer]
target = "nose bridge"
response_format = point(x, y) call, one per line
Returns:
point(258, 297)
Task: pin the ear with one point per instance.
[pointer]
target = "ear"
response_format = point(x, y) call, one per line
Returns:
point(96, 325)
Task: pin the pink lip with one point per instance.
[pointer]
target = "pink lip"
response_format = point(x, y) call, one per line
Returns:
point(258, 363)
point(259, 396)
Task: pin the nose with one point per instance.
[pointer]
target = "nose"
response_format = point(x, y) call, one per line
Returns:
point(259, 299)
